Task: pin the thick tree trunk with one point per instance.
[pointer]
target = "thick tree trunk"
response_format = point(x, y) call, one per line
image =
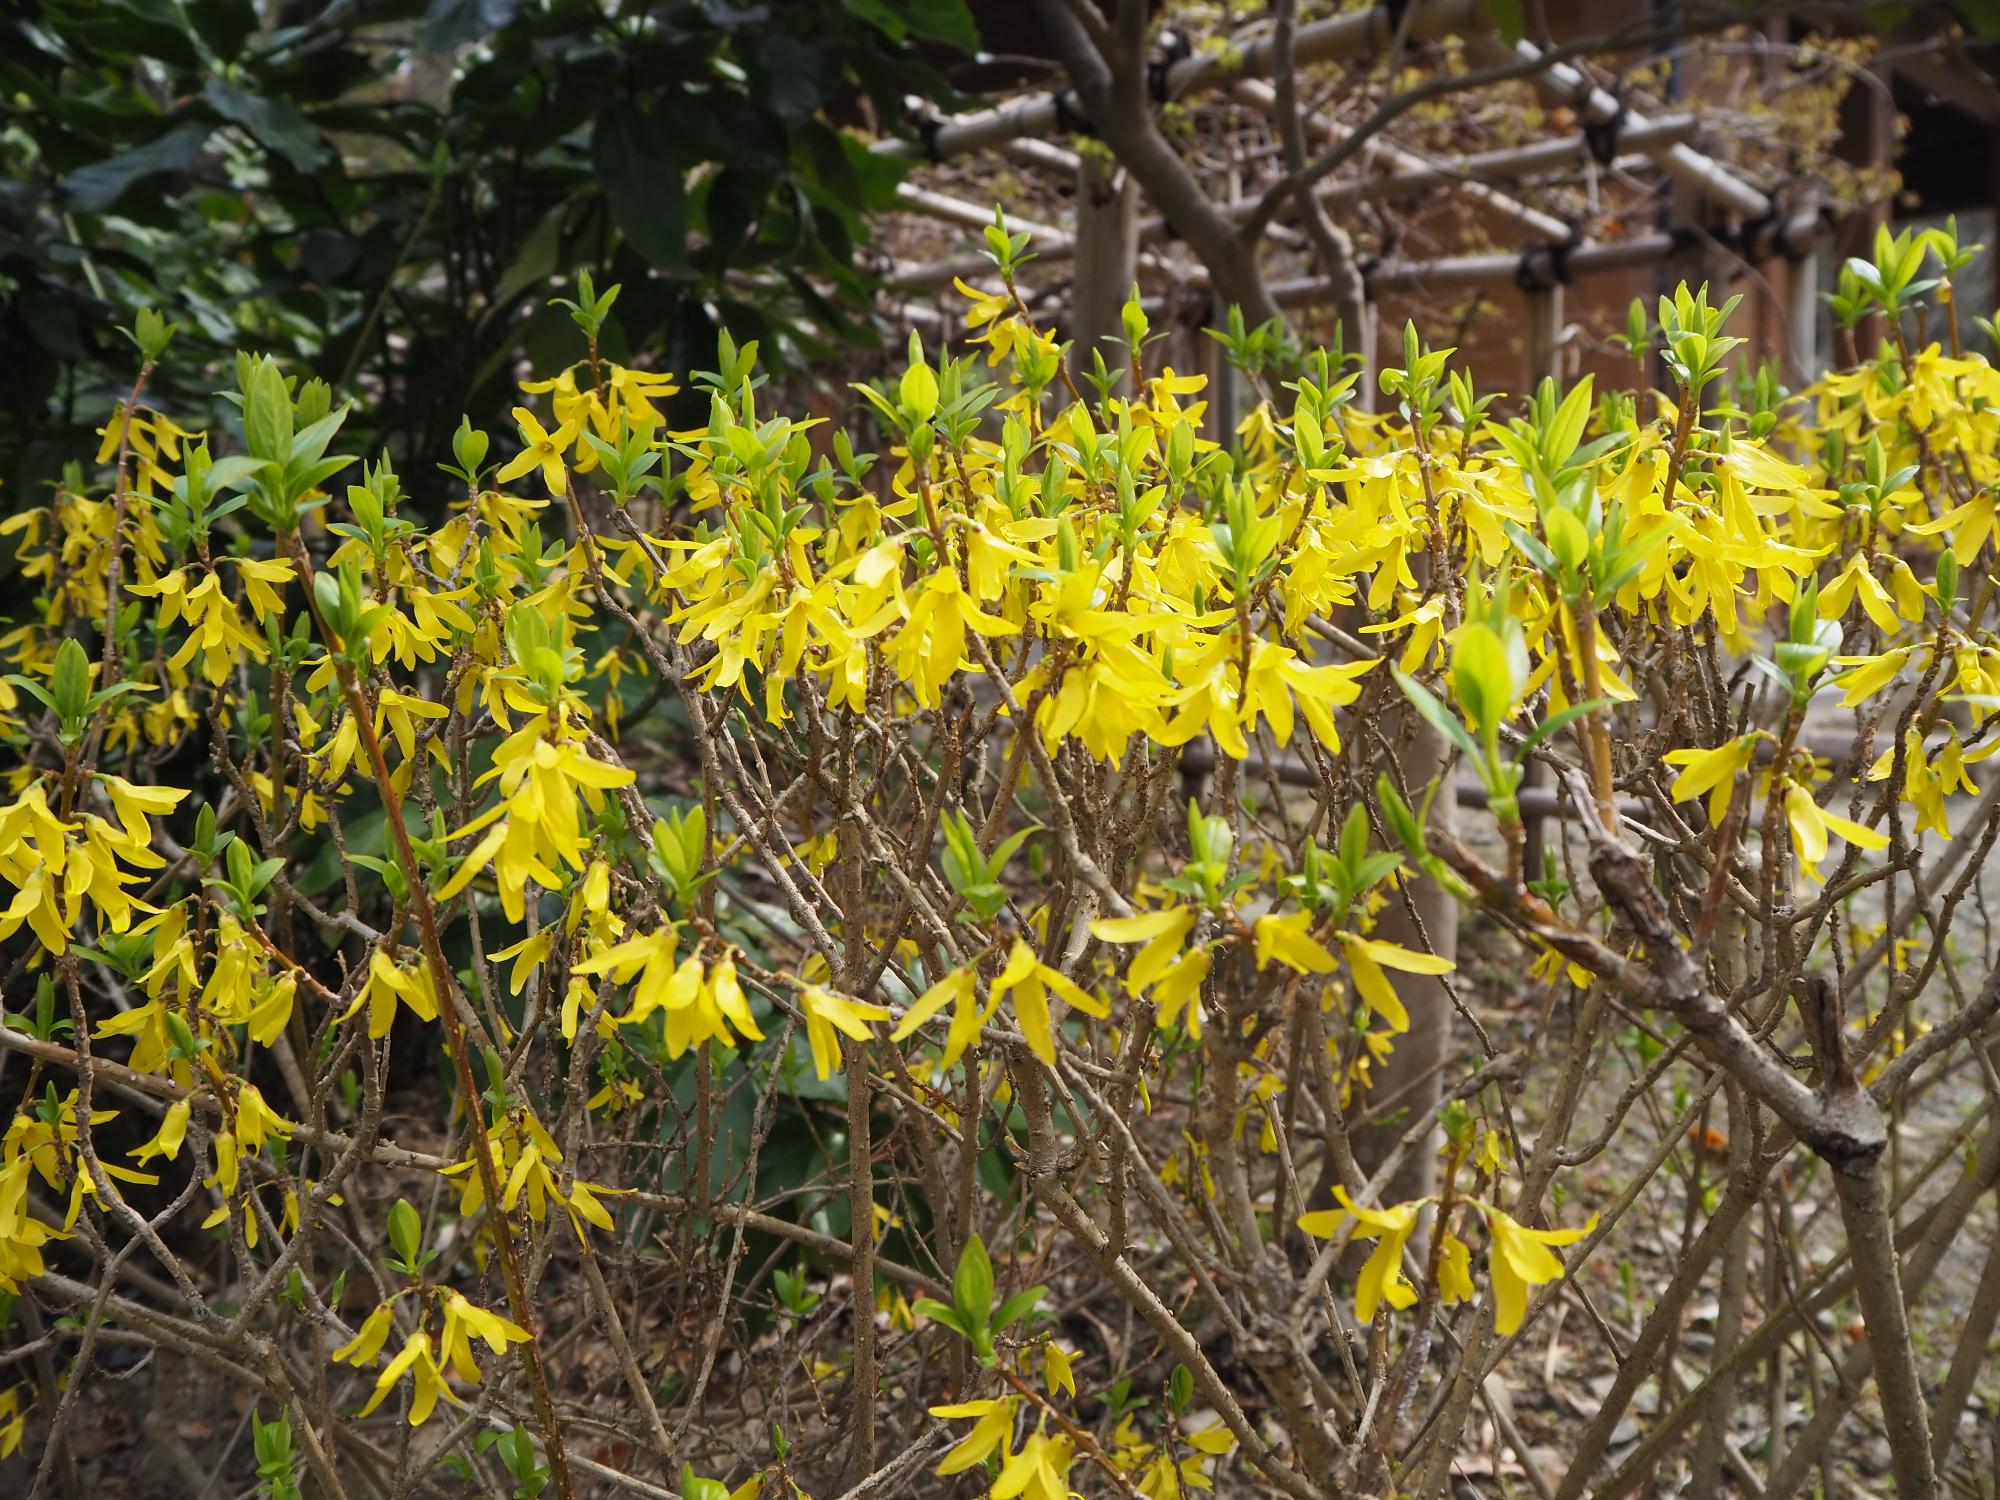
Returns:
point(1113, 91)
point(1107, 255)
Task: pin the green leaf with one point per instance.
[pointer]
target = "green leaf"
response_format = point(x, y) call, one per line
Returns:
point(1435, 713)
point(1399, 817)
point(947, 21)
point(972, 1284)
point(453, 23)
point(1377, 868)
point(1566, 430)
point(71, 683)
point(919, 392)
point(406, 1231)
point(237, 863)
point(882, 404)
point(185, 1046)
point(267, 413)
point(300, 478)
point(150, 333)
point(276, 126)
point(1483, 679)
point(1009, 847)
point(95, 188)
point(1568, 539)
point(1531, 547)
point(29, 685)
point(115, 691)
point(1354, 837)
point(1018, 1306)
point(641, 176)
point(1556, 722)
point(227, 473)
point(1947, 581)
point(310, 441)
point(937, 1312)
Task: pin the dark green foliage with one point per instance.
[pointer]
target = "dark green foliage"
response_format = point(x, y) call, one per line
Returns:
point(386, 189)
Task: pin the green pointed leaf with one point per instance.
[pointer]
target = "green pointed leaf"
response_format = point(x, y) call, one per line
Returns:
point(1556, 722)
point(972, 1284)
point(1435, 713)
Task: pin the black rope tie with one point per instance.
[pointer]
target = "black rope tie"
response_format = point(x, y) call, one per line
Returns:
point(1174, 48)
point(1067, 116)
point(1601, 139)
point(1783, 241)
point(1759, 239)
point(929, 130)
point(1546, 267)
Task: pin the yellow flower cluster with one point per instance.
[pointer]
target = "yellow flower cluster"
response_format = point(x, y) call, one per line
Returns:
point(415, 782)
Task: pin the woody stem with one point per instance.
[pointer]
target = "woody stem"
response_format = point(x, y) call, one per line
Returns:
point(454, 1032)
point(1600, 733)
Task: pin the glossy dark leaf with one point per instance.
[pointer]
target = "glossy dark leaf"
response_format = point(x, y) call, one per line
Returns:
point(794, 76)
point(947, 21)
point(643, 185)
point(453, 23)
point(274, 125)
point(95, 188)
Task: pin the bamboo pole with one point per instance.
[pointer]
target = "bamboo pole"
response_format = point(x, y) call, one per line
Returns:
point(1262, 96)
point(972, 216)
point(1355, 35)
point(1513, 163)
point(1468, 175)
point(1563, 84)
point(1794, 239)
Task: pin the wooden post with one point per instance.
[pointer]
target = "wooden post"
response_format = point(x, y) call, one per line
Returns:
point(1544, 337)
point(1802, 318)
point(1107, 254)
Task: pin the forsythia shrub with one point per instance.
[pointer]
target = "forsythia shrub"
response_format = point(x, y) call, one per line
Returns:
point(876, 923)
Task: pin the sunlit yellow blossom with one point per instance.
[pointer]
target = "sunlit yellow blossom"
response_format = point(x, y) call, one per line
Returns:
point(366, 1346)
point(463, 1323)
point(428, 1383)
point(1712, 771)
point(828, 1013)
point(1164, 934)
point(960, 990)
point(1810, 824)
point(387, 985)
point(167, 1140)
point(1367, 958)
point(1038, 1471)
point(1027, 981)
point(995, 1424)
point(1288, 941)
point(541, 449)
point(1382, 1278)
point(536, 825)
point(1521, 1259)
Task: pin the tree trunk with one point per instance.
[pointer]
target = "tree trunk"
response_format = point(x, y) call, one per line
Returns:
point(1113, 92)
point(1107, 255)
